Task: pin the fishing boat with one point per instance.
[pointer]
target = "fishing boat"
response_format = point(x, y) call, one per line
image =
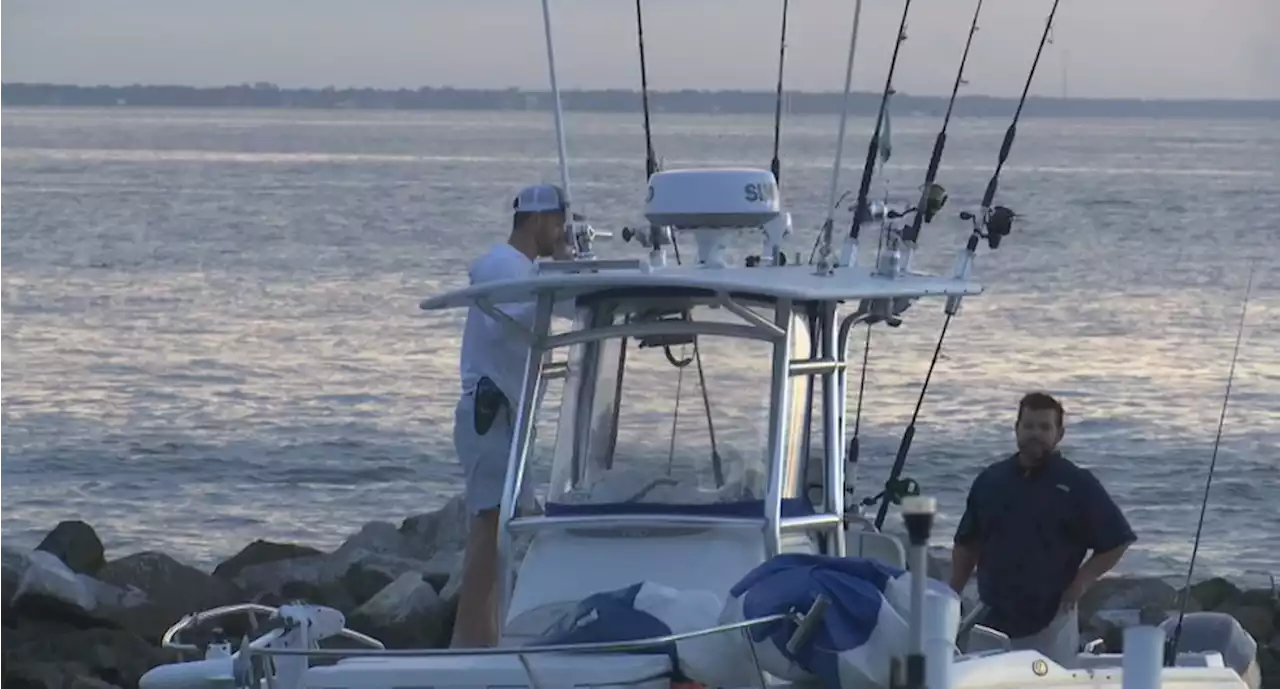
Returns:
point(720, 568)
point(710, 558)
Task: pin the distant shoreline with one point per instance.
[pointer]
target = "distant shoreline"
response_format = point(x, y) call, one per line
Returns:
point(265, 95)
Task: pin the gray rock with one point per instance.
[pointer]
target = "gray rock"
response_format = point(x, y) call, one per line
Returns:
point(77, 545)
point(365, 563)
point(172, 590)
point(270, 577)
point(47, 576)
point(15, 564)
point(44, 653)
point(383, 538)
point(442, 530)
point(261, 552)
point(1212, 593)
point(408, 613)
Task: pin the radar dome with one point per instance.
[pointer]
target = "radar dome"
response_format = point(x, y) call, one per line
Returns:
point(712, 198)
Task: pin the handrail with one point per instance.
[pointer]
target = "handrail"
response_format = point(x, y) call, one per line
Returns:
point(610, 521)
point(592, 647)
point(168, 641)
point(195, 618)
point(806, 625)
point(659, 521)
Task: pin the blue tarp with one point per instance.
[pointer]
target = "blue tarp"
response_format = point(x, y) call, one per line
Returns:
point(611, 616)
point(790, 582)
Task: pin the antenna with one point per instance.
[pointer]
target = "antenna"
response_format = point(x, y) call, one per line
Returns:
point(559, 111)
point(825, 235)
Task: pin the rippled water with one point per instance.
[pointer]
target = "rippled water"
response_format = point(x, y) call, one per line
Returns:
point(210, 331)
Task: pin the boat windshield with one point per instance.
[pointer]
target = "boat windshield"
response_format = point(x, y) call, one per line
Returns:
point(649, 423)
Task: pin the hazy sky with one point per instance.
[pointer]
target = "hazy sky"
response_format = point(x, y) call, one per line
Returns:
point(1145, 48)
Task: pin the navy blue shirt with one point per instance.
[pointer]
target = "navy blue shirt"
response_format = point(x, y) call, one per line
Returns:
point(1032, 530)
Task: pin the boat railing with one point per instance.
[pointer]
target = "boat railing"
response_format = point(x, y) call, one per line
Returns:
point(659, 521)
point(188, 622)
point(806, 624)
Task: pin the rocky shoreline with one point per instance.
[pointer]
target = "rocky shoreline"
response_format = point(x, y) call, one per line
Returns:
point(73, 619)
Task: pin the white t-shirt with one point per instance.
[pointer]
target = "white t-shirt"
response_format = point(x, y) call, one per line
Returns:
point(488, 349)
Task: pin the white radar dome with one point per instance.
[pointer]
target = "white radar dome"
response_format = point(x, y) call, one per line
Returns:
point(712, 198)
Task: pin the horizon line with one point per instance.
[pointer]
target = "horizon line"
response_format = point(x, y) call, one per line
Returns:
point(267, 85)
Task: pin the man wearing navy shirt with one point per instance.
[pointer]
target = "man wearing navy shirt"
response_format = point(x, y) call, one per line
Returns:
point(1028, 523)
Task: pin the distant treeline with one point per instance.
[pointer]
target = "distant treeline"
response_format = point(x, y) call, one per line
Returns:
point(265, 95)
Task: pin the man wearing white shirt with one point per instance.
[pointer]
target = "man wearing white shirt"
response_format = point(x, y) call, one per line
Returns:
point(492, 369)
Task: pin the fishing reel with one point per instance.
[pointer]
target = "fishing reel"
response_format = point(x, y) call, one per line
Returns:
point(998, 225)
point(873, 210)
point(935, 197)
point(579, 236)
point(652, 239)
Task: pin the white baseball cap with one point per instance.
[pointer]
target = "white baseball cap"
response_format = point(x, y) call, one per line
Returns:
point(539, 198)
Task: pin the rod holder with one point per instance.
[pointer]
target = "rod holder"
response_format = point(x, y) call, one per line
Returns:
point(1141, 664)
point(918, 513)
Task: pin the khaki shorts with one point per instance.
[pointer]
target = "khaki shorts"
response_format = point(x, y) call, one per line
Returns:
point(1060, 641)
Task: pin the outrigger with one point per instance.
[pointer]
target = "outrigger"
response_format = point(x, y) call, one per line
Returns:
point(730, 556)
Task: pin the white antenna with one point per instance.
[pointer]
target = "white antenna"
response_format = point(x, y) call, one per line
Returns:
point(559, 111)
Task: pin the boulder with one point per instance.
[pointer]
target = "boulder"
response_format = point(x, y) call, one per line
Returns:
point(77, 545)
point(93, 657)
point(14, 563)
point(172, 590)
point(370, 560)
point(51, 589)
point(407, 613)
point(261, 552)
point(1212, 593)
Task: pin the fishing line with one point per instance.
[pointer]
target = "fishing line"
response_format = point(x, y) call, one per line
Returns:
point(651, 167)
point(992, 224)
point(1171, 646)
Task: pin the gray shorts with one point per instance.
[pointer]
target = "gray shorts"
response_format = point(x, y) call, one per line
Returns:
point(484, 458)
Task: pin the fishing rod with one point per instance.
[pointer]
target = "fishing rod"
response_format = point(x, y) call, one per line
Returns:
point(1171, 645)
point(861, 210)
point(934, 196)
point(775, 166)
point(651, 160)
point(990, 223)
